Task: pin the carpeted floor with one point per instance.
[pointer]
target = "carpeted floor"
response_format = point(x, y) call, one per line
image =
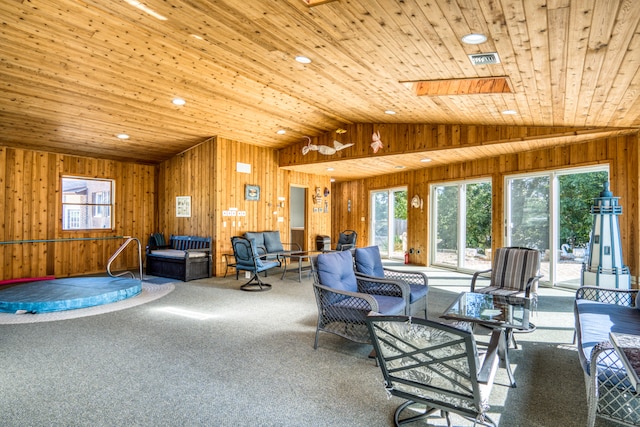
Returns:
point(208, 354)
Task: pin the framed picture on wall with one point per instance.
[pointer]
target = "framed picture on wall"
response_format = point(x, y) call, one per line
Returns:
point(183, 206)
point(251, 192)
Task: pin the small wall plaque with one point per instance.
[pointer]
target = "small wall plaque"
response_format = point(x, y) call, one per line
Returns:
point(251, 192)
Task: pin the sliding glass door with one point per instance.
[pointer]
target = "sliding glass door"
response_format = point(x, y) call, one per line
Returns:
point(528, 215)
point(461, 225)
point(550, 212)
point(389, 221)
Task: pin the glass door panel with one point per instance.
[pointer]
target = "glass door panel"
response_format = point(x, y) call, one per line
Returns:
point(477, 226)
point(398, 225)
point(462, 217)
point(528, 216)
point(446, 226)
point(576, 193)
point(389, 222)
point(380, 221)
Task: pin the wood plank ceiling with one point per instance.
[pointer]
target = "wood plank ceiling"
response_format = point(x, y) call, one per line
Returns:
point(76, 73)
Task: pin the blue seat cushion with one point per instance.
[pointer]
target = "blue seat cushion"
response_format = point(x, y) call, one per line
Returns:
point(389, 305)
point(596, 319)
point(344, 310)
point(417, 292)
point(368, 261)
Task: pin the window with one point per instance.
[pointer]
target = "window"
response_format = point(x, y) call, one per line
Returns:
point(87, 203)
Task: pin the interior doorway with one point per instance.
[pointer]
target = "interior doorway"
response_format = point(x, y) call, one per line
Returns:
point(298, 215)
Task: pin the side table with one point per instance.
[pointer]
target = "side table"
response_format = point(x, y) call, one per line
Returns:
point(628, 348)
point(299, 257)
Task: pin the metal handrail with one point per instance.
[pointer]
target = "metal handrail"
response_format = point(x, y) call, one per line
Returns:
point(119, 251)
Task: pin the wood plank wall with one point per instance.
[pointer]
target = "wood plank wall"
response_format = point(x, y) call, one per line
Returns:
point(208, 174)
point(621, 153)
point(30, 191)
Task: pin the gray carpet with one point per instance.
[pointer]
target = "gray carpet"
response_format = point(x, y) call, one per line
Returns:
point(208, 354)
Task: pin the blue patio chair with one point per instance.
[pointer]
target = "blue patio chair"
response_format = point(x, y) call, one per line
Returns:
point(248, 259)
point(369, 263)
point(344, 301)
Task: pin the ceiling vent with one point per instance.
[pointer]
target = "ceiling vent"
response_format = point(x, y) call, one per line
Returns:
point(484, 58)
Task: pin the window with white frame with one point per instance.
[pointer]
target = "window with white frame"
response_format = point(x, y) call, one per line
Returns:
point(87, 203)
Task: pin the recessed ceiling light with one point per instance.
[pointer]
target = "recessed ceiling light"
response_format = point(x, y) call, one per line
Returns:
point(425, 160)
point(179, 101)
point(330, 169)
point(197, 37)
point(474, 38)
point(303, 59)
point(143, 7)
point(510, 112)
point(281, 132)
point(123, 136)
point(399, 167)
point(391, 112)
point(332, 180)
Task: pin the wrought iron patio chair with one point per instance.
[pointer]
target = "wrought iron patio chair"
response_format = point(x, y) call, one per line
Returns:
point(248, 259)
point(610, 393)
point(369, 263)
point(435, 368)
point(344, 301)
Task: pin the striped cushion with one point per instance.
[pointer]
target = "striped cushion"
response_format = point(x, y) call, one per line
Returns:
point(513, 267)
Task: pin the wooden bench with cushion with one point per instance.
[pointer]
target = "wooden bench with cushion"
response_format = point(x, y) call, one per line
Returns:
point(184, 258)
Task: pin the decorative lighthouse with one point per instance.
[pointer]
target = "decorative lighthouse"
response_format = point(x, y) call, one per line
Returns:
point(604, 266)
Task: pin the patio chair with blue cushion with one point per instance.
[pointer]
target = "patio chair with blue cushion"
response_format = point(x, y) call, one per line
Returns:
point(369, 263)
point(344, 301)
point(347, 240)
point(435, 368)
point(248, 259)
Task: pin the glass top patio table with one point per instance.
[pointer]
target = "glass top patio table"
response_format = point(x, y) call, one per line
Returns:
point(490, 310)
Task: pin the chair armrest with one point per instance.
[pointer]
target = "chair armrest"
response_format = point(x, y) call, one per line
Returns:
point(475, 277)
point(490, 364)
point(379, 286)
point(624, 297)
point(261, 250)
point(530, 283)
point(362, 301)
point(414, 277)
